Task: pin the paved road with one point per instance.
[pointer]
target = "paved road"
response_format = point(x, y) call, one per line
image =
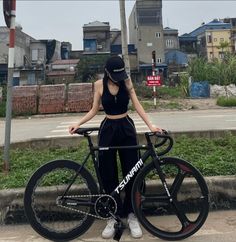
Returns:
point(57, 126)
point(220, 226)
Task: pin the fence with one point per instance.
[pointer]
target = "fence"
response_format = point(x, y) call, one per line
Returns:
point(45, 99)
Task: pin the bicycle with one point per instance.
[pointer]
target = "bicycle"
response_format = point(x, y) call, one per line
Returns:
point(62, 198)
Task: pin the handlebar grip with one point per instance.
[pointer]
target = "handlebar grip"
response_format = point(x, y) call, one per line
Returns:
point(85, 131)
point(165, 137)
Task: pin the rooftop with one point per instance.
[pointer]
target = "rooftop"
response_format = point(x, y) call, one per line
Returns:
point(213, 25)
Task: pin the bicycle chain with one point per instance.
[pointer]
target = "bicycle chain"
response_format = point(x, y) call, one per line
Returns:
point(79, 211)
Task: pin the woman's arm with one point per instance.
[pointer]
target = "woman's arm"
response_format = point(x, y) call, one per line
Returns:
point(138, 107)
point(93, 111)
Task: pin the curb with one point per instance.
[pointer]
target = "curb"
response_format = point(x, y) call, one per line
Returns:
point(222, 195)
point(74, 141)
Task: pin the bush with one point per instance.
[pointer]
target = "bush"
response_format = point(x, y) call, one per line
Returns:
point(226, 101)
point(220, 72)
point(145, 92)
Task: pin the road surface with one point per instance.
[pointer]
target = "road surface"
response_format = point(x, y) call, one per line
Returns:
point(57, 126)
point(220, 226)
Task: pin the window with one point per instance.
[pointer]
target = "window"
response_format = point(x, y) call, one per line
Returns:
point(148, 16)
point(209, 38)
point(169, 43)
point(158, 60)
point(158, 35)
point(34, 54)
point(221, 55)
point(149, 44)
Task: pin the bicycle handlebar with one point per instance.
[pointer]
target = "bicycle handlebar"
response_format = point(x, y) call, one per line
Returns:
point(164, 138)
point(86, 131)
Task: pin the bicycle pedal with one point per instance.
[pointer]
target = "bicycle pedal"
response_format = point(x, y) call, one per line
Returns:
point(119, 228)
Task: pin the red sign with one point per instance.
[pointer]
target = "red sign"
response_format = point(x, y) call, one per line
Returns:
point(153, 81)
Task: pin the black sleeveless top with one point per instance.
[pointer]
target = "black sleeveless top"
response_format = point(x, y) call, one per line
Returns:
point(115, 104)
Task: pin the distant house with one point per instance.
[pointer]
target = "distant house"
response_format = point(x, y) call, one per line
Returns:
point(62, 71)
point(232, 21)
point(209, 38)
point(146, 31)
point(31, 57)
point(96, 37)
point(171, 39)
point(188, 43)
point(22, 53)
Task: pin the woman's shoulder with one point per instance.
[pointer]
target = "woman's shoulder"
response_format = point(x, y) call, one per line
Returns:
point(98, 85)
point(128, 84)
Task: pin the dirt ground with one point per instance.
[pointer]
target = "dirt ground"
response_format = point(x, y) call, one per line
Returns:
point(188, 104)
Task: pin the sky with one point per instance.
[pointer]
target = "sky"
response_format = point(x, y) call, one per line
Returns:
point(63, 20)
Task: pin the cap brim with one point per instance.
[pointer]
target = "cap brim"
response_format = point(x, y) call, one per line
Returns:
point(119, 76)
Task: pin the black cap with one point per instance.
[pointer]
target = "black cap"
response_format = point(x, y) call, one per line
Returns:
point(115, 68)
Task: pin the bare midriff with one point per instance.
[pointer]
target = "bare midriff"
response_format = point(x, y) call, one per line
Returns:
point(117, 116)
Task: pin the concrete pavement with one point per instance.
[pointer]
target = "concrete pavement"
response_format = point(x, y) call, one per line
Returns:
point(55, 126)
point(220, 226)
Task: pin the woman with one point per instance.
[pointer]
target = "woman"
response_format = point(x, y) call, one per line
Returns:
point(117, 129)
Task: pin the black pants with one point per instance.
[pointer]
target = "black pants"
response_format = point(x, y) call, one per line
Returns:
point(118, 132)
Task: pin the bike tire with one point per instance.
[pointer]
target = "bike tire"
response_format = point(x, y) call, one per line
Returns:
point(168, 219)
point(45, 186)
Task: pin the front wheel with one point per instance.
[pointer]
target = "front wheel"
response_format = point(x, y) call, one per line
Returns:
point(52, 213)
point(179, 215)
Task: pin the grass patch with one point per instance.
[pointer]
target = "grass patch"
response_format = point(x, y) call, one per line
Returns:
point(171, 105)
point(148, 105)
point(211, 156)
point(164, 92)
point(226, 101)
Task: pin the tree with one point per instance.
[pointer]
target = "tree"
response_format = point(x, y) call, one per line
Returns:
point(90, 66)
point(223, 45)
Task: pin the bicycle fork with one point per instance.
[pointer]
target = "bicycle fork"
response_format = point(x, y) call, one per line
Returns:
point(183, 219)
point(157, 162)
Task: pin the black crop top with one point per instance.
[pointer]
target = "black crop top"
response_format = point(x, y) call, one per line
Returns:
point(115, 104)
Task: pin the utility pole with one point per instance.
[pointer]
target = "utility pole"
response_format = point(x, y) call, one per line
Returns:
point(154, 74)
point(9, 10)
point(124, 38)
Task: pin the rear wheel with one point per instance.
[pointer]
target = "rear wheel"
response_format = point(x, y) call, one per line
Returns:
point(175, 217)
point(54, 217)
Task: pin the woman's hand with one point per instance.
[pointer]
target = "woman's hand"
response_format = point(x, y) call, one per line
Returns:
point(73, 128)
point(154, 129)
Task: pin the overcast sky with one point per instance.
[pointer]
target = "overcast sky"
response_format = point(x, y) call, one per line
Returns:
point(63, 20)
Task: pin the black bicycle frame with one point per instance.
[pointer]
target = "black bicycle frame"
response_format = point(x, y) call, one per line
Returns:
point(150, 152)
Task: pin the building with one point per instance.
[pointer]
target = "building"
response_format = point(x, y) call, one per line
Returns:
point(96, 37)
point(66, 48)
point(146, 31)
point(171, 39)
point(210, 37)
point(188, 44)
point(22, 52)
point(31, 57)
point(62, 71)
point(232, 21)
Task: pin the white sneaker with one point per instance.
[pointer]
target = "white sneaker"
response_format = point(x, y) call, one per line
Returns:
point(134, 226)
point(109, 230)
